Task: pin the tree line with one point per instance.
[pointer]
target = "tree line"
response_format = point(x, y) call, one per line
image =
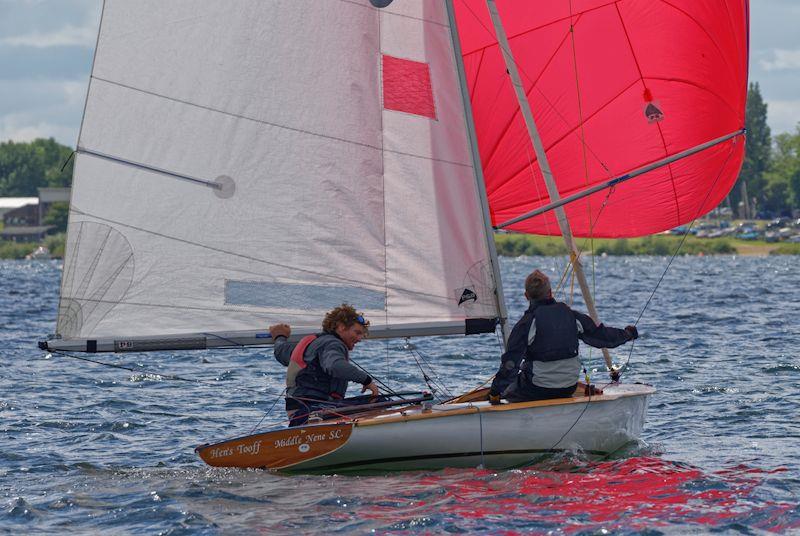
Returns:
point(768, 185)
point(26, 166)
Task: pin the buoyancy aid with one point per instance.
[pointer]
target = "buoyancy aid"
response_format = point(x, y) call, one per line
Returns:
point(311, 380)
point(556, 333)
point(296, 361)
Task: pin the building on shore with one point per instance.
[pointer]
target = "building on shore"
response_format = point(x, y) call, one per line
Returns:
point(23, 217)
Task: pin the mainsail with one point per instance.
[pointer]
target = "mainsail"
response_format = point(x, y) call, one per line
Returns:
point(240, 165)
point(614, 86)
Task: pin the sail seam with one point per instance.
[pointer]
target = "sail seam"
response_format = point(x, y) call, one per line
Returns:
point(247, 309)
point(383, 172)
point(276, 125)
point(731, 68)
point(658, 125)
point(88, 275)
point(530, 30)
point(569, 133)
point(533, 81)
point(401, 15)
point(256, 259)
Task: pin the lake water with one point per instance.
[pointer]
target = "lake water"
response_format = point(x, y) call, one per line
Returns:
point(88, 448)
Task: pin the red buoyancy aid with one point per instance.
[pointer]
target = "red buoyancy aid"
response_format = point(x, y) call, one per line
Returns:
point(300, 349)
point(296, 361)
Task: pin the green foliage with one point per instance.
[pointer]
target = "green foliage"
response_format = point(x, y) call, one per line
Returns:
point(783, 178)
point(787, 248)
point(16, 250)
point(514, 245)
point(55, 243)
point(660, 245)
point(24, 167)
point(57, 215)
point(757, 152)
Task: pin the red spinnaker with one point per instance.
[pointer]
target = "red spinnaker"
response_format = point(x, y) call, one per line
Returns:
point(613, 85)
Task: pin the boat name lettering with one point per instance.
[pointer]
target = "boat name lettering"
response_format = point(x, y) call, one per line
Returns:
point(307, 438)
point(221, 453)
point(251, 449)
point(288, 442)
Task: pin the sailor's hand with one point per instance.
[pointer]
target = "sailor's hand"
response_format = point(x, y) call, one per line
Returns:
point(591, 390)
point(280, 330)
point(632, 332)
point(372, 387)
point(494, 399)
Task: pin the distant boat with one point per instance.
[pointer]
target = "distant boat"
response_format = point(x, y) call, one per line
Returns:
point(39, 254)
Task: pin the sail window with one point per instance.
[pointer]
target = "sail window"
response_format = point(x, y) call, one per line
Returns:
point(281, 295)
point(407, 87)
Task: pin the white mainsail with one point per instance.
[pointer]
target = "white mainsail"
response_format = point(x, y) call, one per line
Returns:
point(243, 163)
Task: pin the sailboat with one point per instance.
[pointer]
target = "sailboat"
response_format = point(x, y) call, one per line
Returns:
point(240, 166)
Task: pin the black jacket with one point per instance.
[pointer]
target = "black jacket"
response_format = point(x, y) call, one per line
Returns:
point(558, 329)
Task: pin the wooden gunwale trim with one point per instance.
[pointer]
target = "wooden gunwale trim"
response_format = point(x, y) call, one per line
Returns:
point(373, 421)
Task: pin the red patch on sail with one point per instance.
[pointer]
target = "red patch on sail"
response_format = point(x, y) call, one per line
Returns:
point(407, 87)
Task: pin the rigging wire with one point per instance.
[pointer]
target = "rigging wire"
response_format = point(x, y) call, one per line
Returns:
point(389, 390)
point(437, 381)
point(649, 299)
point(675, 254)
point(173, 377)
point(269, 411)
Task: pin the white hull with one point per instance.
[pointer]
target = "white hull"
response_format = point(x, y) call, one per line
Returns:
point(467, 434)
point(495, 437)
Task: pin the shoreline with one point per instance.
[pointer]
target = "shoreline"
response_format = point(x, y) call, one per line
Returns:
point(515, 245)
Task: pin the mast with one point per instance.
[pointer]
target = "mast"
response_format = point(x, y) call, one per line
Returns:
point(544, 166)
point(478, 168)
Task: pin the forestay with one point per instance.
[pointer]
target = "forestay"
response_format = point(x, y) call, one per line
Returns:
point(240, 166)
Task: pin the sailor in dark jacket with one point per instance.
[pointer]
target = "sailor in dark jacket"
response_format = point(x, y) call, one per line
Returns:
point(541, 360)
point(318, 365)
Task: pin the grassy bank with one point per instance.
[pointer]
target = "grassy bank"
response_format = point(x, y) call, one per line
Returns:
point(18, 250)
point(513, 245)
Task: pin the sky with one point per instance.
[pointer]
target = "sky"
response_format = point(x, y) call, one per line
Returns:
point(46, 49)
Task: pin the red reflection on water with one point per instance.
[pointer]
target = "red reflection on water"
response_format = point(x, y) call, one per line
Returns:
point(634, 494)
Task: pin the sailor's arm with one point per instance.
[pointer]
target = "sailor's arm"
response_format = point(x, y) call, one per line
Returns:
point(601, 336)
point(334, 361)
point(281, 346)
point(512, 357)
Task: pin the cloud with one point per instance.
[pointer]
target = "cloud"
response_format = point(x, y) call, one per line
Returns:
point(781, 60)
point(784, 115)
point(37, 108)
point(69, 35)
point(17, 127)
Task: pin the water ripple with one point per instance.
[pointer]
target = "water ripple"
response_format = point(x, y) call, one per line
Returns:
point(89, 449)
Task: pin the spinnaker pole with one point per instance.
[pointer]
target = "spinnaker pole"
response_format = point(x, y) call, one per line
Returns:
point(619, 180)
point(544, 166)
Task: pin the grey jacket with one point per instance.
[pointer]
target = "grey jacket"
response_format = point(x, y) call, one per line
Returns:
point(327, 367)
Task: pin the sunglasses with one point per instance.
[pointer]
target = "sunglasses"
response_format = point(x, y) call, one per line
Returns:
point(360, 320)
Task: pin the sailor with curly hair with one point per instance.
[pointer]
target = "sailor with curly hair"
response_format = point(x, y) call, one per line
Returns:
point(319, 367)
